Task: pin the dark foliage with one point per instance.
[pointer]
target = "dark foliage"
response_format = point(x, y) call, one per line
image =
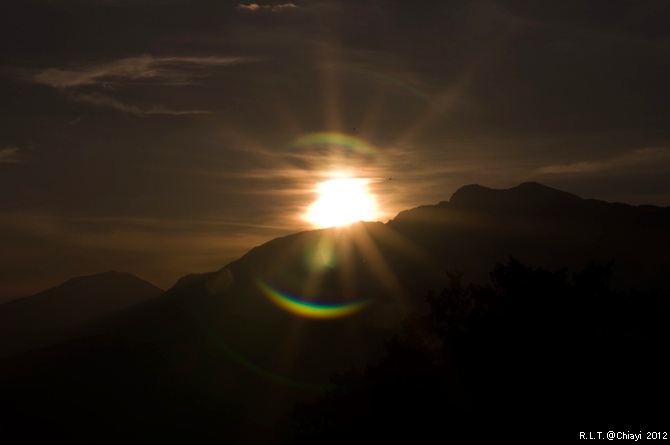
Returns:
point(535, 351)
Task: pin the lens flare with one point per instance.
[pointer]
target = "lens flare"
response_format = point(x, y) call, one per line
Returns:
point(311, 309)
point(336, 141)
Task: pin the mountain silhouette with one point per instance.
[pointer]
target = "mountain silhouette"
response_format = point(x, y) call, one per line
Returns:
point(534, 199)
point(546, 227)
point(38, 319)
point(231, 347)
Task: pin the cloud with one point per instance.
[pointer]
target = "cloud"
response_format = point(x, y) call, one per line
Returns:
point(10, 155)
point(161, 70)
point(160, 249)
point(79, 83)
point(102, 100)
point(132, 3)
point(141, 234)
point(635, 157)
point(253, 7)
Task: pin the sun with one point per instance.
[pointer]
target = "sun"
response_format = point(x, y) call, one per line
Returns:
point(342, 201)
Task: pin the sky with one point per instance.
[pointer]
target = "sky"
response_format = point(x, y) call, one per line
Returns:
point(168, 137)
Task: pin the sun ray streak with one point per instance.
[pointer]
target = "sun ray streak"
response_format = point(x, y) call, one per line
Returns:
point(377, 262)
point(403, 245)
point(372, 114)
point(330, 89)
point(445, 102)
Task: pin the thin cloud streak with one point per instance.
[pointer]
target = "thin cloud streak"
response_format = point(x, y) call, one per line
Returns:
point(253, 7)
point(40, 223)
point(132, 3)
point(10, 155)
point(76, 83)
point(104, 101)
point(160, 249)
point(161, 70)
point(156, 257)
point(634, 158)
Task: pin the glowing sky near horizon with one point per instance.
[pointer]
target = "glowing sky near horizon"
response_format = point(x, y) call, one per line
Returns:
point(171, 136)
point(342, 201)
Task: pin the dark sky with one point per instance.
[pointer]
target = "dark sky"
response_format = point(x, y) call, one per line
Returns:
point(162, 137)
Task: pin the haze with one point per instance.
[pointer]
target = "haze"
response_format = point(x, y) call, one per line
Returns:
point(170, 137)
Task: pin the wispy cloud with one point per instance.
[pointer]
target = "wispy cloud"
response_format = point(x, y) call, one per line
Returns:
point(132, 3)
point(161, 70)
point(102, 100)
point(97, 83)
point(253, 7)
point(634, 158)
point(167, 248)
point(160, 250)
point(10, 155)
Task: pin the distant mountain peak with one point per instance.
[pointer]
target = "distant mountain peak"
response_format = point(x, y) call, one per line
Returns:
point(525, 195)
point(533, 187)
point(111, 276)
point(29, 322)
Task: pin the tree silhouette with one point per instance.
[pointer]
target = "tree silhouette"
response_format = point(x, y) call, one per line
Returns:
point(534, 350)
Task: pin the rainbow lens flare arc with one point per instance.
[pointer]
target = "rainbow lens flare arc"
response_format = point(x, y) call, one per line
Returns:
point(311, 309)
point(339, 141)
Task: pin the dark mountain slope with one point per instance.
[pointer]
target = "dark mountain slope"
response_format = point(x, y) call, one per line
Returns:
point(226, 342)
point(545, 227)
point(36, 320)
point(528, 196)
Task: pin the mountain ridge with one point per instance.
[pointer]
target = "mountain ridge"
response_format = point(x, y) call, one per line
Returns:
point(31, 320)
point(223, 334)
point(538, 200)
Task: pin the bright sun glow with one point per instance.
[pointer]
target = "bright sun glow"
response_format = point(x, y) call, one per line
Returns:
point(342, 201)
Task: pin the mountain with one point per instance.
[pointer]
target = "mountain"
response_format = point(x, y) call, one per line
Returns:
point(227, 354)
point(545, 227)
point(38, 319)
